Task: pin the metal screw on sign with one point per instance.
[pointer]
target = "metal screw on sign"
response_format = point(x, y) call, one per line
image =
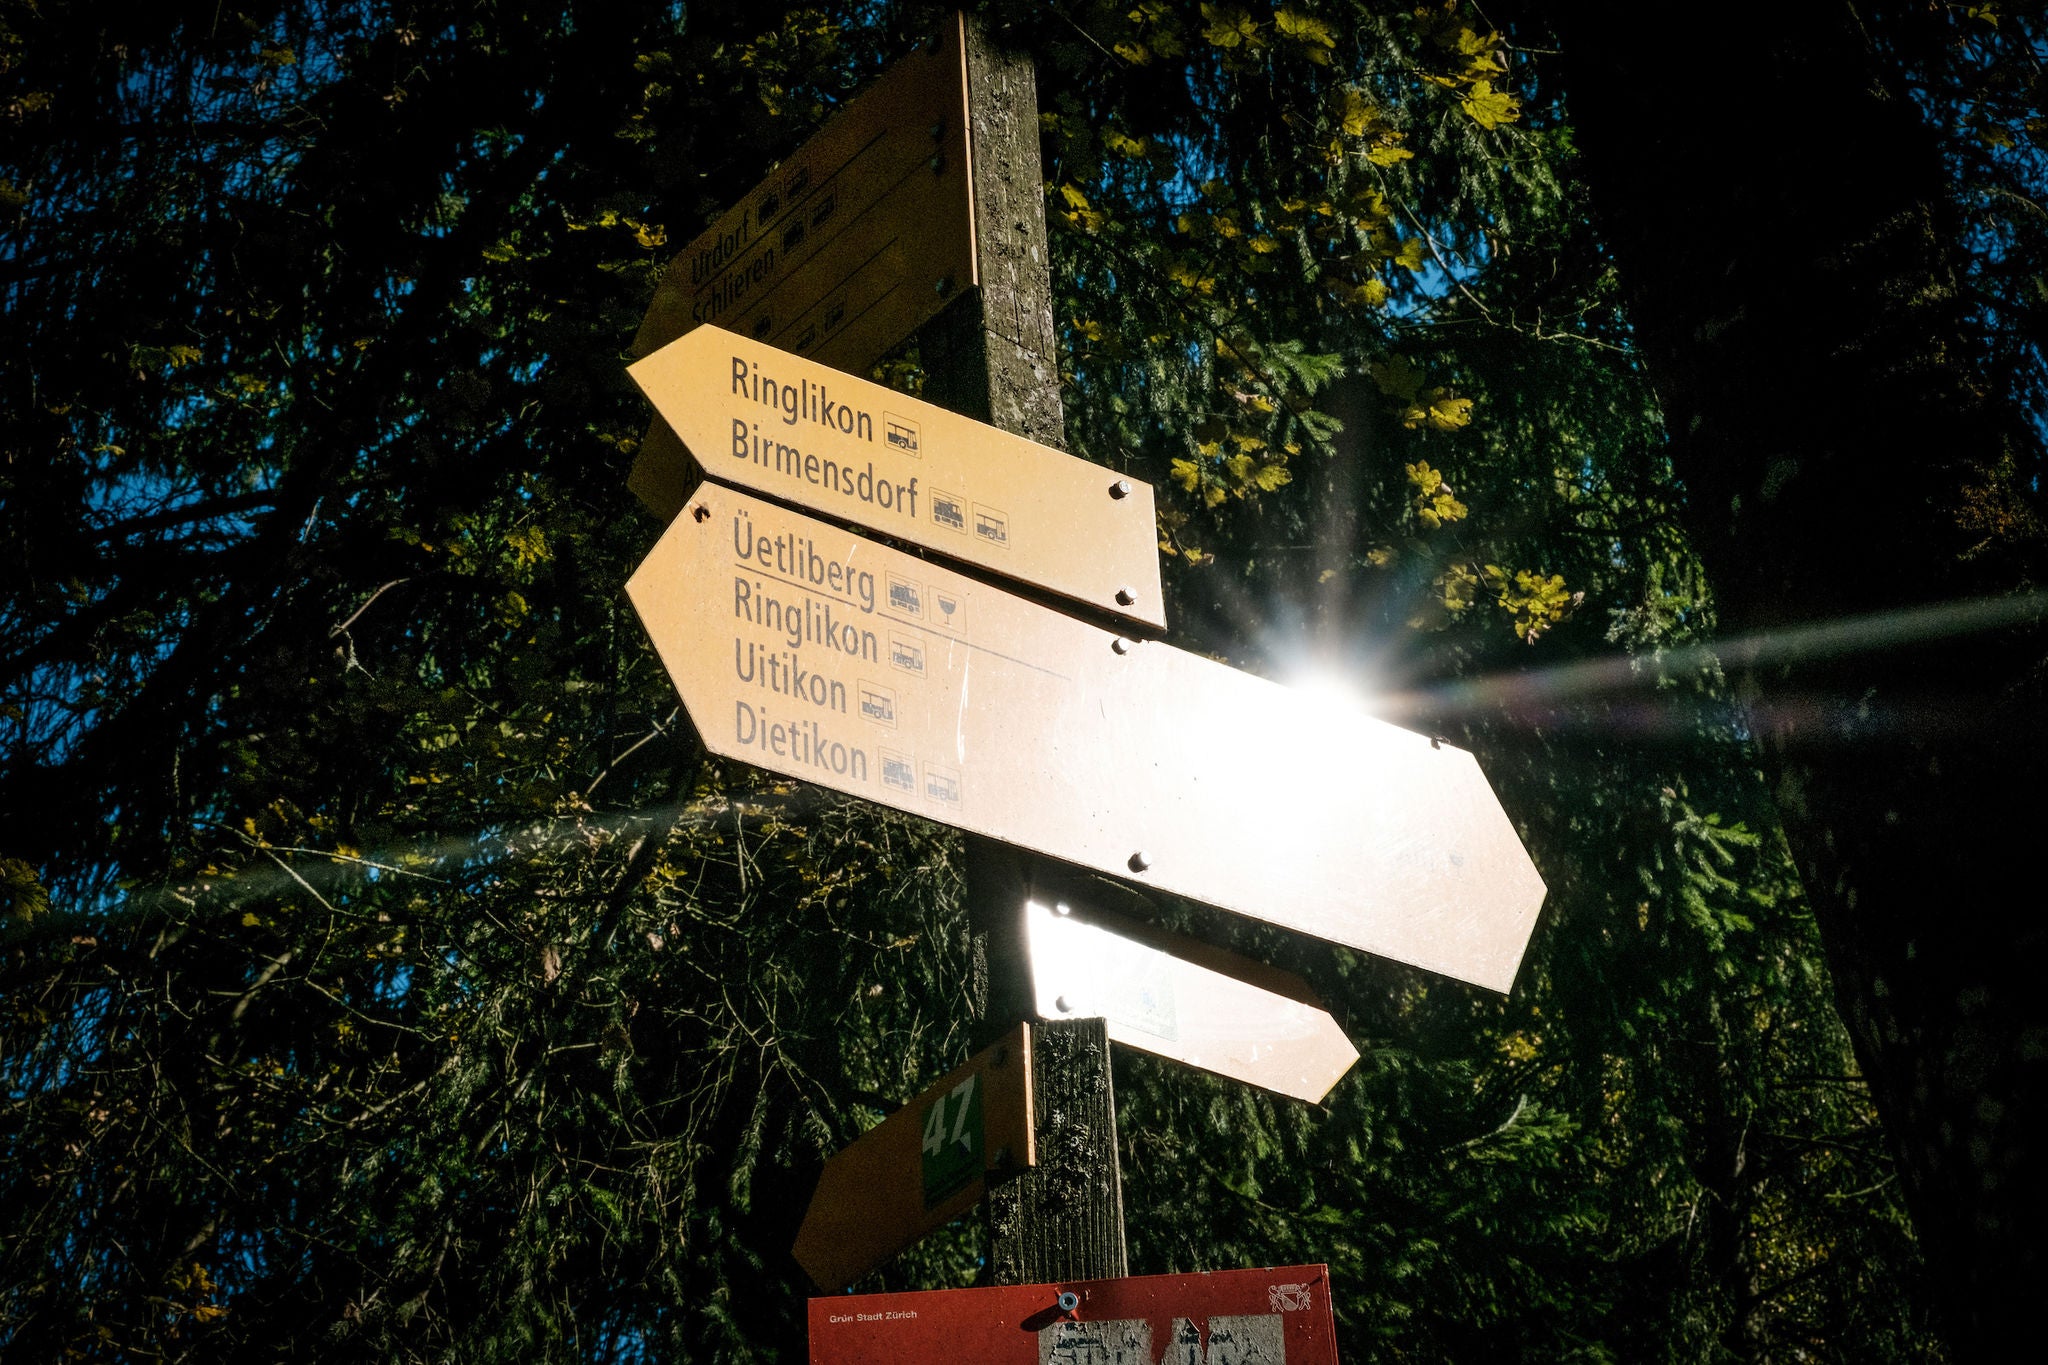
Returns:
point(1069, 1301)
point(1120, 489)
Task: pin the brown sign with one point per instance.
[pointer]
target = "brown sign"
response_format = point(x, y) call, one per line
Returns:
point(1178, 997)
point(804, 433)
point(826, 657)
point(845, 249)
point(921, 1167)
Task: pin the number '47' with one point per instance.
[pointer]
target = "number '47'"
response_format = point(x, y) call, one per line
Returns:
point(935, 1135)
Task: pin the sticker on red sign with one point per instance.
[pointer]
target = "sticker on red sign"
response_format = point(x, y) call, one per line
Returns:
point(1276, 1316)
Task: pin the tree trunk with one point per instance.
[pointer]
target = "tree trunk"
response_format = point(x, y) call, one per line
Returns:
point(1784, 225)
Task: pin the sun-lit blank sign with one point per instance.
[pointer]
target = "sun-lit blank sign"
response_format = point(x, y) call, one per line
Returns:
point(1177, 997)
point(826, 657)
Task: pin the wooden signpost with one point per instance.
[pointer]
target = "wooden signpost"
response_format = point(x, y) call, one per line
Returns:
point(792, 429)
point(921, 1167)
point(1189, 1001)
point(823, 656)
point(1279, 1315)
point(808, 650)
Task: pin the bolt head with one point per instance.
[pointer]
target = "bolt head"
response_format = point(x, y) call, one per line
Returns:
point(1120, 489)
point(1140, 861)
point(1063, 1005)
point(1126, 597)
point(1120, 645)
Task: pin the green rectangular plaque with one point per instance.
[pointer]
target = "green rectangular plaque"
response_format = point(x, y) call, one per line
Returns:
point(953, 1141)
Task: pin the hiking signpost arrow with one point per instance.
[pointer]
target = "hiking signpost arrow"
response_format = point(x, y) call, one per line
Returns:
point(921, 1167)
point(792, 429)
point(1181, 998)
point(827, 657)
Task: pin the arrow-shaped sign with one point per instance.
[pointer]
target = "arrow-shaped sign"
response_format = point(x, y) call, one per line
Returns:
point(860, 235)
point(923, 1166)
point(823, 656)
point(790, 428)
point(1177, 997)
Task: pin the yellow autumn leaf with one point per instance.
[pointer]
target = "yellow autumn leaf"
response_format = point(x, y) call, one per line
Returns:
point(1137, 54)
point(1490, 108)
point(1458, 584)
point(1272, 476)
point(1409, 254)
point(1304, 28)
point(1371, 294)
point(1385, 154)
point(1187, 473)
point(1437, 408)
point(1228, 26)
point(1425, 479)
point(1357, 114)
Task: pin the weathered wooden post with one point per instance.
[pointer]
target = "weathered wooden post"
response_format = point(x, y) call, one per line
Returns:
point(993, 355)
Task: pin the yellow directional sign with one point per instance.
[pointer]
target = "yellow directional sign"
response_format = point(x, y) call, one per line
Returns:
point(802, 432)
point(826, 657)
point(921, 1167)
point(1178, 997)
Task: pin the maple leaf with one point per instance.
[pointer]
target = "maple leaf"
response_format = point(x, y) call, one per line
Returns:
point(1490, 108)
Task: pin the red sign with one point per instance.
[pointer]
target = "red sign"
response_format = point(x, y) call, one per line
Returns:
point(1225, 1317)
